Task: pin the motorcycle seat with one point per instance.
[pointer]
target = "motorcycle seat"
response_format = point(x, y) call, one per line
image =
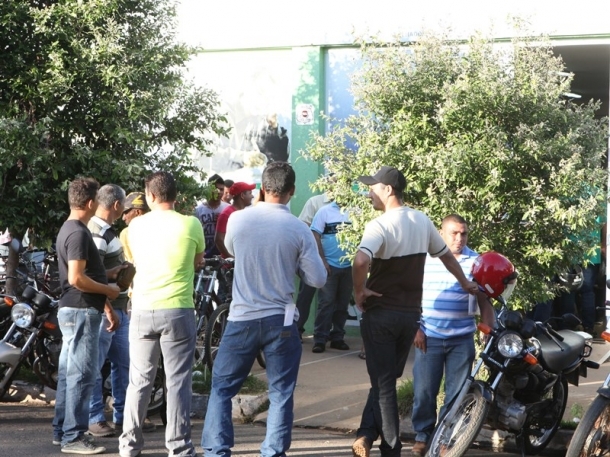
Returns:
point(555, 358)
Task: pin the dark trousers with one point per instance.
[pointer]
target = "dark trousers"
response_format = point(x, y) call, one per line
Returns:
point(388, 336)
point(304, 299)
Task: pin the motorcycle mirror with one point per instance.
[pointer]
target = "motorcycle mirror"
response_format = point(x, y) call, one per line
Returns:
point(570, 320)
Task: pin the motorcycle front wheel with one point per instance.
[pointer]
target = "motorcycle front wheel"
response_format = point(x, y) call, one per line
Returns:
point(454, 435)
point(539, 432)
point(592, 436)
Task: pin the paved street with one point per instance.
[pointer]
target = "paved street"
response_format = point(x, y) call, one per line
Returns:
point(26, 431)
point(330, 395)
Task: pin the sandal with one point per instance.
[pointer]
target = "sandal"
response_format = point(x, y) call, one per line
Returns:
point(362, 355)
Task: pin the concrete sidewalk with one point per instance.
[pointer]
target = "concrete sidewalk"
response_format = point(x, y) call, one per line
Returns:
point(333, 386)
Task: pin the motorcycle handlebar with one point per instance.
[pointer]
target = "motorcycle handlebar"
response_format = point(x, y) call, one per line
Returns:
point(216, 262)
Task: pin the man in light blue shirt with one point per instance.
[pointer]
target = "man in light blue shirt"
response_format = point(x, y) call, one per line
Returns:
point(445, 340)
point(333, 298)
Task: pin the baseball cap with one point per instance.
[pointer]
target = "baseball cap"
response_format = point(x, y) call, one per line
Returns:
point(215, 179)
point(389, 176)
point(136, 200)
point(240, 187)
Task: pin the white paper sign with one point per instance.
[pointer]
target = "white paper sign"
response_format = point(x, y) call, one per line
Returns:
point(304, 114)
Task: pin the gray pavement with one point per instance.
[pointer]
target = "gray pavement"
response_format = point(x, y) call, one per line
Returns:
point(331, 392)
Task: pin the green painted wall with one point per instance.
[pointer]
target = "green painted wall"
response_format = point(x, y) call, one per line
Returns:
point(308, 65)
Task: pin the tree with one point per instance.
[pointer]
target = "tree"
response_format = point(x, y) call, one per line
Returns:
point(484, 130)
point(94, 88)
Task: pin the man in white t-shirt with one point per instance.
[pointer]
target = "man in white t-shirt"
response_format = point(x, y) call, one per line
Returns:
point(394, 246)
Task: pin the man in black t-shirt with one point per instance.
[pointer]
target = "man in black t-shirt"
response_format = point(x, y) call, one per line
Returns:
point(85, 294)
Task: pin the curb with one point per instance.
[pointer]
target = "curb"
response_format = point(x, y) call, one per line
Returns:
point(244, 407)
point(498, 440)
point(28, 393)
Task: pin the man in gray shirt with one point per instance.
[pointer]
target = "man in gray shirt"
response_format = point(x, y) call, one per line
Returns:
point(263, 315)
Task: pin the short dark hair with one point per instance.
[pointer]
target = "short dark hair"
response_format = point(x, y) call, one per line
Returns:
point(163, 185)
point(278, 178)
point(108, 194)
point(80, 191)
point(454, 218)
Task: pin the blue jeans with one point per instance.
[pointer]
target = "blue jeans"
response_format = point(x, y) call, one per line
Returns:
point(115, 347)
point(172, 333)
point(333, 300)
point(240, 343)
point(387, 336)
point(78, 365)
point(454, 357)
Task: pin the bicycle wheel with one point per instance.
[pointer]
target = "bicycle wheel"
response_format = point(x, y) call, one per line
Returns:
point(592, 436)
point(260, 358)
point(202, 323)
point(213, 335)
point(156, 403)
point(204, 307)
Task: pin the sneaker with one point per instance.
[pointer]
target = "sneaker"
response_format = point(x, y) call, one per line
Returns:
point(101, 429)
point(341, 345)
point(56, 441)
point(318, 348)
point(148, 426)
point(117, 426)
point(362, 447)
point(82, 446)
point(419, 449)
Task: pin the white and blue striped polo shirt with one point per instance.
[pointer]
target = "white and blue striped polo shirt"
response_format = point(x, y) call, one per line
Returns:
point(444, 302)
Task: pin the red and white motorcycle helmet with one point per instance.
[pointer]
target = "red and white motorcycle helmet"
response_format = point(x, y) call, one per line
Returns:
point(494, 274)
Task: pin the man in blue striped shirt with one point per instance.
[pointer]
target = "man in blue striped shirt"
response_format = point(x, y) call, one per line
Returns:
point(444, 342)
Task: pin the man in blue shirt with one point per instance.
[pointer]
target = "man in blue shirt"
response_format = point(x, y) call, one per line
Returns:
point(444, 342)
point(333, 298)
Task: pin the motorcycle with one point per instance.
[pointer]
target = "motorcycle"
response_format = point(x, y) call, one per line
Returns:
point(519, 384)
point(592, 436)
point(34, 337)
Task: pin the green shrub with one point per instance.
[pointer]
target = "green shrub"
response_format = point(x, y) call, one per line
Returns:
point(405, 394)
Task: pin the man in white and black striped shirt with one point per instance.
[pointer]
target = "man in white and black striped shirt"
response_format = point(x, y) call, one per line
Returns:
point(395, 245)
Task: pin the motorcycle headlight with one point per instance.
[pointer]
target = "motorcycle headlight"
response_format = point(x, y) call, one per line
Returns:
point(510, 345)
point(23, 315)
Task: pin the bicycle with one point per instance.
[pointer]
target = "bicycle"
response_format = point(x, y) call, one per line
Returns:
point(216, 326)
point(206, 298)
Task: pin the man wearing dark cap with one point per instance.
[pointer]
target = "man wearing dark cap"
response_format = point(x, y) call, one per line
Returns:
point(241, 193)
point(135, 205)
point(394, 246)
point(208, 212)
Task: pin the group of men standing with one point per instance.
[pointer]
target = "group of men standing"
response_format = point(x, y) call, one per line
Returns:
point(90, 257)
point(397, 250)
